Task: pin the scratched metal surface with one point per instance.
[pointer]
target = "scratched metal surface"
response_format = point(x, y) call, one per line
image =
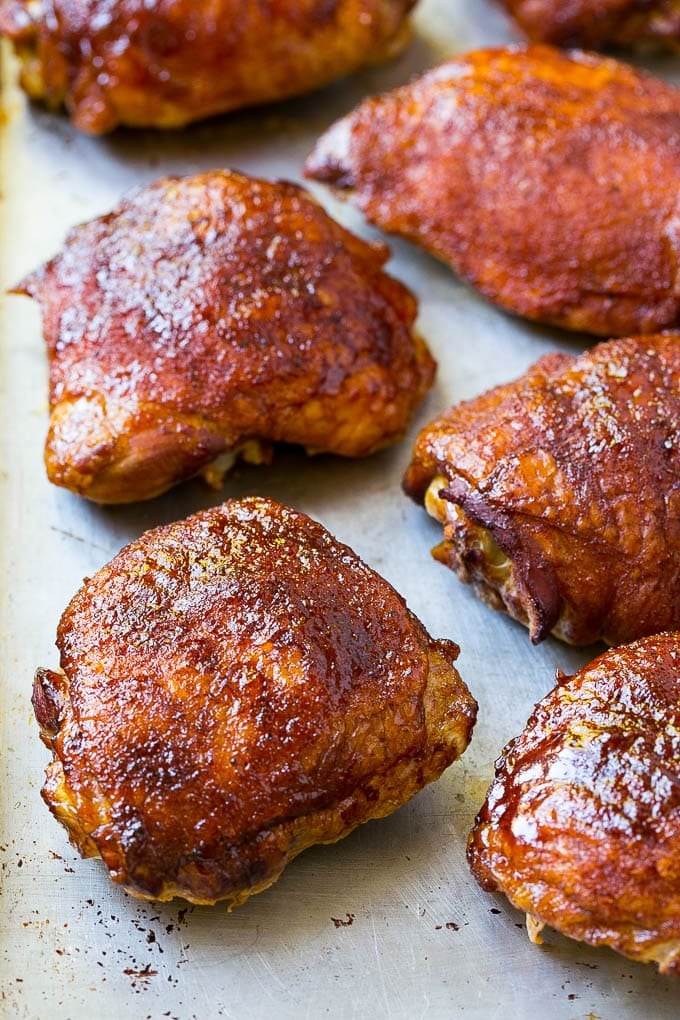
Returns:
point(388, 923)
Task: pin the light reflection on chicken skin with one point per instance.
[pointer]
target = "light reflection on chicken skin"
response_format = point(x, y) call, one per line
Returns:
point(581, 826)
point(597, 24)
point(164, 64)
point(234, 688)
point(208, 317)
point(548, 181)
point(559, 492)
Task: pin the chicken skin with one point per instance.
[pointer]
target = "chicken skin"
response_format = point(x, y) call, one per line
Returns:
point(165, 63)
point(581, 826)
point(234, 688)
point(599, 23)
point(209, 316)
point(548, 181)
point(559, 493)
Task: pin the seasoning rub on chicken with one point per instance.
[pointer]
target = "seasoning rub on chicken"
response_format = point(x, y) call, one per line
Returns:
point(153, 63)
point(581, 826)
point(548, 180)
point(559, 493)
point(234, 688)
point(209, 316)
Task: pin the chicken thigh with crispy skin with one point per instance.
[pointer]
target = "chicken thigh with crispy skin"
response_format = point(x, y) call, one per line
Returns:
point(234, 688)
point(165, 63)
point(548, 181)
point(212, 315)
point(581, 827)
point(599, 23)
point(560, 492)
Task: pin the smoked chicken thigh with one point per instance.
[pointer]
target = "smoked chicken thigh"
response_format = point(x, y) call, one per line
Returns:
point(599, 23)
point(549, 181)
point(559, 493)
point(165, 63)
point(581, 826)
point(234, 688)
point(209, 316)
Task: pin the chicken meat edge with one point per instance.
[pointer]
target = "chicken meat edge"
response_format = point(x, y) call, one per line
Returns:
point(472, 553)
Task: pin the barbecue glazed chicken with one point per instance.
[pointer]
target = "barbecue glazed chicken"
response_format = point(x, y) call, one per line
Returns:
point(165, 63)
point(560, 493)
point(209, 316)
point(237, 687)
point(548, 181)
point(599, 23)
point(581, 827)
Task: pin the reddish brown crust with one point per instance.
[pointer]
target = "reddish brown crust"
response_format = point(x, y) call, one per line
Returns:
point(165, 64)
point(574, 470)
point(599, 23)
point(580, 827)
point(211, 310)
point(226, 678)
point(548, 181)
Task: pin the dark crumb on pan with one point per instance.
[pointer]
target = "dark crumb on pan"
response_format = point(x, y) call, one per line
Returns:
point(143, 973)
point(339, 923)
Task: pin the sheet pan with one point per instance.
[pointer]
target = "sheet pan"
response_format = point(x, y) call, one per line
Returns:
point(388, 923)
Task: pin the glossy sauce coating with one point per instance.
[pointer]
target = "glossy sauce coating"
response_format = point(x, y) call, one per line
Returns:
point(236, 687)
point(574, 471)
point(599, 23)
point(209, 312)
point(164, 63)
point(548, 181)
point(581, 826)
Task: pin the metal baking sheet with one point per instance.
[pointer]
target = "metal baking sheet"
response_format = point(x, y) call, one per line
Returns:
point(388, 923)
